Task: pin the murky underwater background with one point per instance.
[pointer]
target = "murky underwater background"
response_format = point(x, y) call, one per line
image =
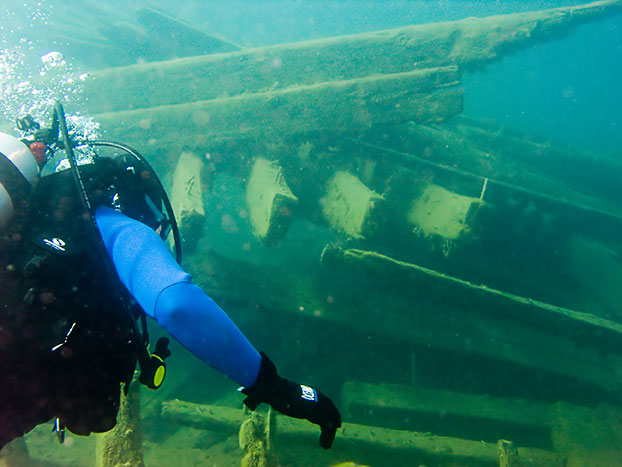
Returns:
point(424, 223)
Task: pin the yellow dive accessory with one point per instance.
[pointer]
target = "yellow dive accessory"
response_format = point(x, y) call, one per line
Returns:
point(153, 370)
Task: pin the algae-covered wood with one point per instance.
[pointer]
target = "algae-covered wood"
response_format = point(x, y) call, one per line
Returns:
point(588, 436)
point(524, 208)
point(440, 212)
point(482, 150)
point(421, 96)
point(349, 206)
point(353, 436)
point(473, 295)
point(368, 397)
point(122, 445)
point(426, 313)
point(466, 43)
point(456, 315)
point(187, 198)
point(461, 415)
point(508, 454)
point(270, 202)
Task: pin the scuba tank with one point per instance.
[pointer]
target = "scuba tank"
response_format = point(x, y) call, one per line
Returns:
point(19, 172)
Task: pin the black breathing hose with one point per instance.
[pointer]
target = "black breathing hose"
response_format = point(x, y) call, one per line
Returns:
point(165, 199)
point(59, 116)
point(142, 352)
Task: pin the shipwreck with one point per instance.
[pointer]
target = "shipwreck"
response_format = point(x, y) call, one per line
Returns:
point(437, 241)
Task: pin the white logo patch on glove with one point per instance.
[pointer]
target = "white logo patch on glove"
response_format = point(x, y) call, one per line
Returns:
point(308, 393)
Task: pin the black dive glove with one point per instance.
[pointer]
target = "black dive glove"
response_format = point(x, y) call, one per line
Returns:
point(294, 400)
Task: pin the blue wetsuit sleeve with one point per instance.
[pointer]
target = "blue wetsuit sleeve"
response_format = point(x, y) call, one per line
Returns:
point(146, 267)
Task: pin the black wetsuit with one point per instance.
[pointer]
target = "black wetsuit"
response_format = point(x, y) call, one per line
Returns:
point(55, 294)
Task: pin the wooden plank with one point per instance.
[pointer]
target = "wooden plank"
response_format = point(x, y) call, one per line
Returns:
point(588, 436)
point(479, 296)
point(270, 201)
point(378, 397)
point(449, 413)
point(349, 206)
point(171, 38)
point(468, 43)
point(187, 198)
point(443, 449)
point(515, 162)
point(427, 315)
point(422, 96)
point(505, 326)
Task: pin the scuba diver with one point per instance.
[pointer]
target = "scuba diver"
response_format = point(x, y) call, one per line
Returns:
point(83, 261)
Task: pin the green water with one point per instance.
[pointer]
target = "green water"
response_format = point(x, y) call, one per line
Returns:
point(450, 272)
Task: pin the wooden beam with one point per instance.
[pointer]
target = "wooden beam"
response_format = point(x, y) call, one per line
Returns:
point(424, 96)
point(443, 449)
point(270, 202)
point(395, 397)
point(476, 295)
point(170, 37)
point(467, 43)
point(349, 206)
point(187, 198)
point(385, 303)
point(508, 160)
point(453, 314)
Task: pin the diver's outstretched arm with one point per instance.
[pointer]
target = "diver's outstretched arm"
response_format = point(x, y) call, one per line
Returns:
point(165, 292)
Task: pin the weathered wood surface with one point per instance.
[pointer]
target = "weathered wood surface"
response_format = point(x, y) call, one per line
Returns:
point(450, 413)
point(187, 198)
point(270, 202)
point(438, 211)
point(426, 313)
point(588, 436)
point(349, 206)
point(394, 397)
point(356, 436)
point(473, 295)
point(422, 96)
point(256, 438)
point(122, 446)
point(102, 35)
point(485, 321)
point(508, 454)
point(477, 150)
point(466, 43)
point(525, 207)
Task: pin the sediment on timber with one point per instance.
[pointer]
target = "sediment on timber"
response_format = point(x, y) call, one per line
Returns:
point(464, 276)
point(439, 449)
point(270, 201)
point(422, 95)
point(187, 198)
point(465, 43)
